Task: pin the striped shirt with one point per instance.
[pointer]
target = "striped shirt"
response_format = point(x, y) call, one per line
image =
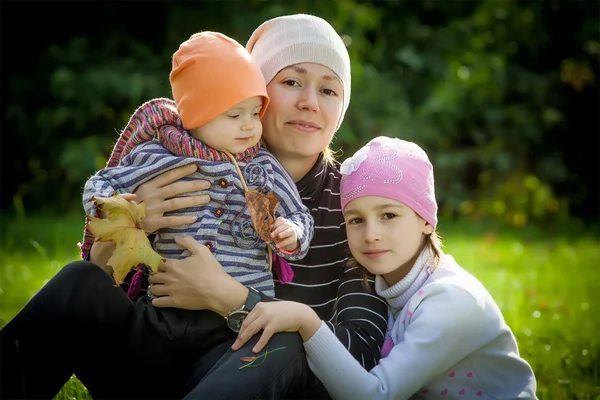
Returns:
point(224, 225)
point(322, 280)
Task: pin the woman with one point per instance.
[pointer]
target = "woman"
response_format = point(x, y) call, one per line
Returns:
point(308, 72)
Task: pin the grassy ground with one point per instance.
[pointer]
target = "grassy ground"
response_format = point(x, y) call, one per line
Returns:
point(544, 282)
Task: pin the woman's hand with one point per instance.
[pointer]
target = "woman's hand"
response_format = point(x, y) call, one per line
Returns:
point(277, 316)
point(160, 195)
point(196, 283)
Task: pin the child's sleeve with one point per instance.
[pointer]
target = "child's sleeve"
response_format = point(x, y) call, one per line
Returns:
point(146, 161)
point(123, 178)
point(292, 209)
point(447, 326)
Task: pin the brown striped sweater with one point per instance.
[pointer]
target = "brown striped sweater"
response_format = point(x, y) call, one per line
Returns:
point(358, 317)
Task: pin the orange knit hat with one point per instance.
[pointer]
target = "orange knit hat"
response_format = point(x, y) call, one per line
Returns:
point(211, 73)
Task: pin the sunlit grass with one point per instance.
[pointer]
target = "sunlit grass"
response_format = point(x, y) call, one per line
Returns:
point(547, 290)
point(546, 285)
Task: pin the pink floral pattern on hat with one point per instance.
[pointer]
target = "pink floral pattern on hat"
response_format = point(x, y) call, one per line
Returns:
point(392, 168)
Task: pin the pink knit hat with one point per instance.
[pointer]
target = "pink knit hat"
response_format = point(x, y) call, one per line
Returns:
point(392, 168)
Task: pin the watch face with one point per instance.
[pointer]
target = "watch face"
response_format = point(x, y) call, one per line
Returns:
point(235, 320)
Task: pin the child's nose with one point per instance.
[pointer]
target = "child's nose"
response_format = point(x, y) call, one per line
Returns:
point(372, 232)
point(248, 123)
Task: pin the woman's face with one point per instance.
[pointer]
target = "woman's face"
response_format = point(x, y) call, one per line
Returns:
point(306, 103)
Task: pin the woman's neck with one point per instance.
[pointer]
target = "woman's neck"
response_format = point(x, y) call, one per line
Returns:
point(297, 167)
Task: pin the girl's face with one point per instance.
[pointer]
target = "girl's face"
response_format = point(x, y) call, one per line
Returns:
point(306, 104)
point(383, 235)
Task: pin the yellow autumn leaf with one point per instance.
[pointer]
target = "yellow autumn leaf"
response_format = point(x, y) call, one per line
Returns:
point(121, 227)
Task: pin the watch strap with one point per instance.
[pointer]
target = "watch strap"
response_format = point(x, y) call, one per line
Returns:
point(253, 299)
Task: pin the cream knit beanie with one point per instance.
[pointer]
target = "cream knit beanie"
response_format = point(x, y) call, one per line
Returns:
point(300, 38)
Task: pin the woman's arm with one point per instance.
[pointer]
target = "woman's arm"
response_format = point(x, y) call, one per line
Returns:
point(197, 282)
point(360, 326)
point(361, 318)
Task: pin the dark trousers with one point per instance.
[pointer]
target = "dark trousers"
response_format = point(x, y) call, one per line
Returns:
point(282, 374)
point(81, 323)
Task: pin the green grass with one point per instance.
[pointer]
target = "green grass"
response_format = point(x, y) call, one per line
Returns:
point(545, 282)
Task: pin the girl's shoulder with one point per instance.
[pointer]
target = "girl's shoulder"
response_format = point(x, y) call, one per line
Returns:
point(449, 272)
point(452, 284)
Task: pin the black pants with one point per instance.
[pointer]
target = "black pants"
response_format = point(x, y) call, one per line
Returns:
point(81, 323)
point(282, 374)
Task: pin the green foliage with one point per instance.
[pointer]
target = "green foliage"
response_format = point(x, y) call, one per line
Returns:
point(461, 89)
point(543, 281)
point(486, 87)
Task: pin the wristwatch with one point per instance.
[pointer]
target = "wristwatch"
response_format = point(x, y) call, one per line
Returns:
point(236, 316)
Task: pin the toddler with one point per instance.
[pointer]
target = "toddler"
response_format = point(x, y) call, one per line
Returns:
point(213, 122)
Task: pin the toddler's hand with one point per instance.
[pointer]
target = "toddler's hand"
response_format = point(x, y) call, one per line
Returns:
point(284, 235)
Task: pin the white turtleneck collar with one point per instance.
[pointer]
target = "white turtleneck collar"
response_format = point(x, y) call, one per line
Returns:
point(399, 294)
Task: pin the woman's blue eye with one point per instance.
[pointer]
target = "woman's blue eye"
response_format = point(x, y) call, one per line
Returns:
point(329, 92)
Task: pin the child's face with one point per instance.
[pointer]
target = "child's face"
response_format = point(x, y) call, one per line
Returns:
point(383, 234)
point(236, 130)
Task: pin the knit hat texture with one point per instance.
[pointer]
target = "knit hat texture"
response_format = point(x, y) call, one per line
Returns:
point(300, 38)
point(210, 74)
point(392, 168)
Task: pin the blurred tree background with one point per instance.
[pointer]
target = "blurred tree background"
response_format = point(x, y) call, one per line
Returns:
point(503, 94)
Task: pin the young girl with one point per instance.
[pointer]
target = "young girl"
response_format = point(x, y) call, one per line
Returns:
point(214, 122)
point(446, 336)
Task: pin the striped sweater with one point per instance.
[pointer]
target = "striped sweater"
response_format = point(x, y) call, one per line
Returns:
point(358, 317)
point(224, 225)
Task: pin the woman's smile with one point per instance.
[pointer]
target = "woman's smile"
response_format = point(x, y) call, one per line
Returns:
point(304, 126)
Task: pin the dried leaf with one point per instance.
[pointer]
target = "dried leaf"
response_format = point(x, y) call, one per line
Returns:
point(121, 227)
point(247, 359)
point(262, 208)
